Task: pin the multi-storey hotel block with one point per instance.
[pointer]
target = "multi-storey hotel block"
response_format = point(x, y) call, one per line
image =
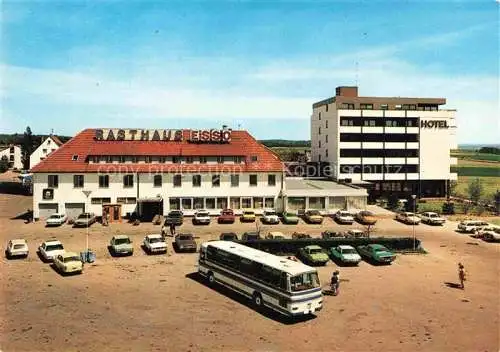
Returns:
point(150, 172)
point(399, 145)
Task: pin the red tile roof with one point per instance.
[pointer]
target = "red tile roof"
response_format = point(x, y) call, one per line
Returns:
point(84, 145)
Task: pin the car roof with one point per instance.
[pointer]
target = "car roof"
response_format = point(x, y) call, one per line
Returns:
point(345, 246)
point(356, 230)
point(120, 236)
point(154, 235)
point(313, 246)
point(202, 211)
point(70, 254)
point(18, 241)
point(248, 210)
point(375, 245)
point(53, 241)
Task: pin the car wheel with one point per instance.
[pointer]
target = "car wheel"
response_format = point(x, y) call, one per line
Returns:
point(7, 255)
point(257, 300)
point(211, 279)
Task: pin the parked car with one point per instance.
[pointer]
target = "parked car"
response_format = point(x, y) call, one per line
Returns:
point(300, 235)
point(313, 255)
point(377, 253)
point(17, 248)
point(269, 216)
point(290, 218)
point(432, 218)
point(175, 217)
point(68, 263)
point(366, 217)
point(345, 254)
point(248, 216)
point(471, 226)
point(275, 235)
point(356, 233)
point(344, 217)
point(408, 218)
point(201, 217)
point(492, 234)
point(250, 236)
point(331, 234)
point(85, 220)
point(228, 236)
point(56, 220)
point(226, 217)
point(313, 217)
point(155, 243)
point(185, 242)
point(50, 248)
point(121, 245)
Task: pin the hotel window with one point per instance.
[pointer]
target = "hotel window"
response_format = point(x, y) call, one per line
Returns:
point(203, 159)
point(43, 150)
point(100, 200)
point(128, 181)
point(210, 203)
point(108, 159)
point(384, 107)
point(253, 180)
point(122, 159)
point(220, 160)
point(319, 116)
point(53, 181)
point(370, 123)
point(148, 159)
point(177, 180)
point(187, 203)
point(391, 123)
point(326, 153)
point(176, 159)
point(157, 180)
point(189, 159)
point(398, 107)
point(246, 202)
point(271, 180)
point(234, 202)
point(221, 203)
point(326, 123)
point(198, 203)
point(319, 130)
point(235, 180)
point(135, 159)
point(237, 159)
point(74, 157)
point(366, 106)
point(347, 106)
point(253, 158)
point(12, 150)
point(258, 202)
point(409, 107)
point(319, 144)
point(175, 203)
point(196, 180)
point(269, 202)
point(11, 158)
point(215, 180)
point(326, 138)
point(126, 200)
point(104, 181)
point(326, 107)
point(78, 181)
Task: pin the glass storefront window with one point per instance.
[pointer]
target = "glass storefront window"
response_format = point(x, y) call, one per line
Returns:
point(175, 203)
point(269, 203)
point(296, 203)
point(258, 202)
point(235, 202)
point(336, 203)
point(198, 203)
point(316, 202)
point(187, 203)
point(221, 203)
point(210, 203)
point(246, 202)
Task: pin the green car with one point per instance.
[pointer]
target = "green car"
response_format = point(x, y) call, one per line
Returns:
point(290, 218)
point(314, 255)
point(377, 253)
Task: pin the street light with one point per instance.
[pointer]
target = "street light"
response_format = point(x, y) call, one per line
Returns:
point(413, 197)
point(87, 194)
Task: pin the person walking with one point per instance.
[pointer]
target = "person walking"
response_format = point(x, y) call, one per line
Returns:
point(335, 282)
point(461, 275)
point(172, 230)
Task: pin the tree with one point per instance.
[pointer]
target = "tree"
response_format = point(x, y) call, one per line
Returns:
point(497, 202)
point(4, 164)
point(475, 190)
point(27, 148)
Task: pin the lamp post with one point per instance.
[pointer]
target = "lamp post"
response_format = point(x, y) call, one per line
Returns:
point(413, 197)
point(87, 194)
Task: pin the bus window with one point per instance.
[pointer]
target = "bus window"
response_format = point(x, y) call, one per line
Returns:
point(304, 281)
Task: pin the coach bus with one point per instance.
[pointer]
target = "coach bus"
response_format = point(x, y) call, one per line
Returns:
point(288, 287)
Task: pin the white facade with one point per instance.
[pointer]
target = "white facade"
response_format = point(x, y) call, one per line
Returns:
point(48, 146)
point(14, 156)
point(186, 196)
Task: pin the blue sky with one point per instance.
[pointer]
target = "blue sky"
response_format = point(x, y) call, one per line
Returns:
point(258, 65)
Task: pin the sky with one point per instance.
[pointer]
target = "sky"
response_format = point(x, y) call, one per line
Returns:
point(255, 65)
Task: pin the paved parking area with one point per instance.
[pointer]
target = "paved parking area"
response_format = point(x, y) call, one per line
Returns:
point(157, 303)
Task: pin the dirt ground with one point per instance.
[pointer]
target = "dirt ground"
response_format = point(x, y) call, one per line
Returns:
point(157, 303)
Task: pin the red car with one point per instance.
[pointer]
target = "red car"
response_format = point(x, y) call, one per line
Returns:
point(226, 217)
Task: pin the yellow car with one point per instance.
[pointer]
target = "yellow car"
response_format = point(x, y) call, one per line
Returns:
point(313, 217)
point(248, 216)
point(68, 262)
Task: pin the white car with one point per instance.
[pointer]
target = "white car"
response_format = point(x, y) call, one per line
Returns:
point(344, 217)
point(201, 217)
point(356, 233)
point(68, 262)
point(407, 217)
point(269, 216)
point(50, 249)
point(17, 248)
point(471, 226)
point(432, 218)
point(155, 244)
point(56, 220)
point(489, 233)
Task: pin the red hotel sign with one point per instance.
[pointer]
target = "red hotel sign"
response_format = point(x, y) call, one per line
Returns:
point(195, 136)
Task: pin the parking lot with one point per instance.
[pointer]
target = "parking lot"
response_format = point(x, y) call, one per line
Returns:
point(144, 303)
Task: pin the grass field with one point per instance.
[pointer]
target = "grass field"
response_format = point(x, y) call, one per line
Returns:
point(490, 185)
point(471, 155)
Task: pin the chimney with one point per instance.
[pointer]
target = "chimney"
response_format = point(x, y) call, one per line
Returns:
point(343, 91)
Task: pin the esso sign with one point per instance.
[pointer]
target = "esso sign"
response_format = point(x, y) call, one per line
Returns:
point(210, 136)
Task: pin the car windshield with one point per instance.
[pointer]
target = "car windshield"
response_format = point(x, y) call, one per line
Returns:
point(315, 250)
point(227, 212)
point(314, 212)
point(432, 215)
point(248, 212)
point(54, 247)
point(202, 214)
point(228, 235)
point(55, 216)
point(290, 214)
point(366, 213)
point(305, 281)
point(155, 240)
point(409, 214)
point(122, 241)
point(348, 251)
point(72, 259)
point(344, 213)
point(84, 216)
point(185, 237)
point(18, 246)
point(175, 213)
point(380, 249)
point(270, 213)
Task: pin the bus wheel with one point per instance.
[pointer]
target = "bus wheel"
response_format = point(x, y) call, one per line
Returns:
point(211, 278)
point(257, 300)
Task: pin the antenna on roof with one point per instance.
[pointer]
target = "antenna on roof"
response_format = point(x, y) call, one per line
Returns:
point(51, 131)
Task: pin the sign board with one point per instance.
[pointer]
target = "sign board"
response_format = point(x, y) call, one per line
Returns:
point(210, 136)
point(434, 124)
point(48, 194)
point(137, 135)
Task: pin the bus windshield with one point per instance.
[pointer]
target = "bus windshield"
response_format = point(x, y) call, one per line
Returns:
point(305, 281)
